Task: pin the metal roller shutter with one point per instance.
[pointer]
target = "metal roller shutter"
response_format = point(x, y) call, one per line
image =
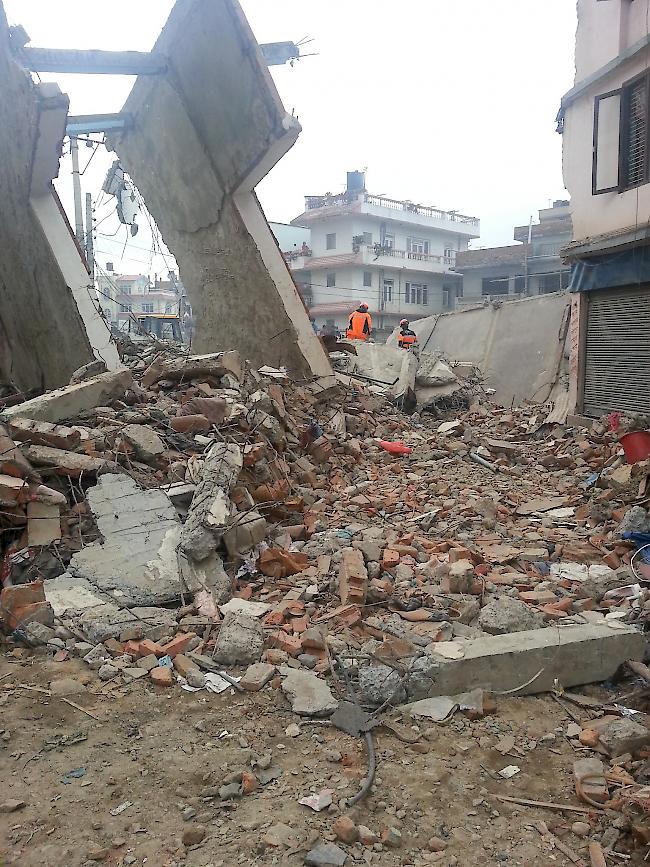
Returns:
point(617, 353)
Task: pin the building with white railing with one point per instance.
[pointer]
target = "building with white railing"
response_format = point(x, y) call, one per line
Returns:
point(531, 267)
point(397, 256)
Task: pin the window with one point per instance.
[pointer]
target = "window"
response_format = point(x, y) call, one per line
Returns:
point(553, 282)
point(331, 278)
point(126, 308)
point(168, 307)
point(416, 293)
point(147, 308)
point(450, 256)
point(417, 248)
point(389, 241)
point(495, 285)
point(330, 241)
point(621, 139)
point(367, 278)
point(520, 285)
point(367, 238)
point(388, 290)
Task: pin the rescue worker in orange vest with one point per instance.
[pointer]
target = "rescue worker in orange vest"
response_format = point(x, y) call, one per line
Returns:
point(406, 337)
point(360, 324)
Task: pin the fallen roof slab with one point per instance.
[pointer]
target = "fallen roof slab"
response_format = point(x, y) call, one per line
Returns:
point(137, 563)
point(204, 135)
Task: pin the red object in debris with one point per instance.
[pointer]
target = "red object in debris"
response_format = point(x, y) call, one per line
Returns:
point(395, 448)
point(614, 419)
point(636, 446)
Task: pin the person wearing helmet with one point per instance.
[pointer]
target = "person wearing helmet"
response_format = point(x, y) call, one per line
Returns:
point(360, 324)
point(406, 338)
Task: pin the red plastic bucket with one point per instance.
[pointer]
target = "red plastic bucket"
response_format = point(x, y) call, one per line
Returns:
point(636, 446)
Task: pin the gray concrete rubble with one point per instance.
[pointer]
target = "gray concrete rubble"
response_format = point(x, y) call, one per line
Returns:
point(309, 695)
point(241, 640)
point(211, 510)
point(515, 360)
point(71, 400)
point(532, 662)
point(136, 564)
point(210, 147)
point(380, 684)
point(504, 615)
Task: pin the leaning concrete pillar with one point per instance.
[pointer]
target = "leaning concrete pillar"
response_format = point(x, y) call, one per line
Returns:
point(204, 134)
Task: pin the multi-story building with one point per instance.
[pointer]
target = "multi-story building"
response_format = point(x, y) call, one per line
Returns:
point(531, 267)
point(397, 256)
point(120, 295)
point(605, 121)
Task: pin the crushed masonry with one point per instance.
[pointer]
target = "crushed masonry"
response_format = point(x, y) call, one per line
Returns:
point(279, 549)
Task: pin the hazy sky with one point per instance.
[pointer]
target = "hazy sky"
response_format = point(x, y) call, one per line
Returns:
point(445, 102)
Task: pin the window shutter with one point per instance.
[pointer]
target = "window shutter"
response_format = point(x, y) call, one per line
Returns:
point(607, 122)
point(634, 141)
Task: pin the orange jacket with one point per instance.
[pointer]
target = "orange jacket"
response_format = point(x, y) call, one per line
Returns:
point(360, 326)
point(406, 338)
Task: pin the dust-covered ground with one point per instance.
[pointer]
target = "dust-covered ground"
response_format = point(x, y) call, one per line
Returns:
point(148, 770)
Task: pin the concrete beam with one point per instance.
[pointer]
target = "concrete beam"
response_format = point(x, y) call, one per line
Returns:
point(572, 655)
point(84, 124)
point(91, 61)
point(279, 53)
point(68, 402)
point(196, 153)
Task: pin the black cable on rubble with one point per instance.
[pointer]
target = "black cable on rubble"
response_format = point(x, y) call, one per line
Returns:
point(372, 758)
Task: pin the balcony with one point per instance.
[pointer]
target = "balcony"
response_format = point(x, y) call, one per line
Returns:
point(389, 257)
point(409, 213)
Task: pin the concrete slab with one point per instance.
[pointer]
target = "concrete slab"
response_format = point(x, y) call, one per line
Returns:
point(574, 655)
point(69, 401)
point(518, 360)
point(137, 563)
point(70, 593)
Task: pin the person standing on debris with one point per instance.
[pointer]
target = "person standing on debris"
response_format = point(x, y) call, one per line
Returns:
point(406, 338)
point(360, 324)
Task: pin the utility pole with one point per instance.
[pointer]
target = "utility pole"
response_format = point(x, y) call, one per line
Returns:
point(76, 183)
point(90, 249)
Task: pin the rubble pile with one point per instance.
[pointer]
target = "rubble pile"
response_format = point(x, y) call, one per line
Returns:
point(219, 527)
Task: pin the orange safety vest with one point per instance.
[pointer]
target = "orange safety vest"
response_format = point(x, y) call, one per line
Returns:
point(360, 326)
point(405, 341)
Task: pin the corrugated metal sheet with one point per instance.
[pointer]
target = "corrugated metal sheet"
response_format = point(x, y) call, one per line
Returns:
point(617, 356)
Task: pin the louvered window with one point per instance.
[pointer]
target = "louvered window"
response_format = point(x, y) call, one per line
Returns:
point(621, 137)
point(634, 151)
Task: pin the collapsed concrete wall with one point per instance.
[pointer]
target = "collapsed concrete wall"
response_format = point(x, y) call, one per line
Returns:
point(38, 314)
point(519, 346)
point(205, 133)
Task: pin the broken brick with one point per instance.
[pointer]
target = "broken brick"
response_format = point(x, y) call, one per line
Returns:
point(162, 676)
point(178, 644)
point(353, 577)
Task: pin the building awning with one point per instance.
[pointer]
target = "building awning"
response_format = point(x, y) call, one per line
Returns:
point(611, 271)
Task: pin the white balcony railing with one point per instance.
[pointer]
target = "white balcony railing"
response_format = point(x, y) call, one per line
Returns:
point(378, 251)
point(348, 197)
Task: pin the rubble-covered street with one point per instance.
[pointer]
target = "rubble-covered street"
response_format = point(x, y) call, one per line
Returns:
point(430, 629)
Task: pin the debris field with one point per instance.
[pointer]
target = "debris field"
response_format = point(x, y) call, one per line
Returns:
point(252, 620)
